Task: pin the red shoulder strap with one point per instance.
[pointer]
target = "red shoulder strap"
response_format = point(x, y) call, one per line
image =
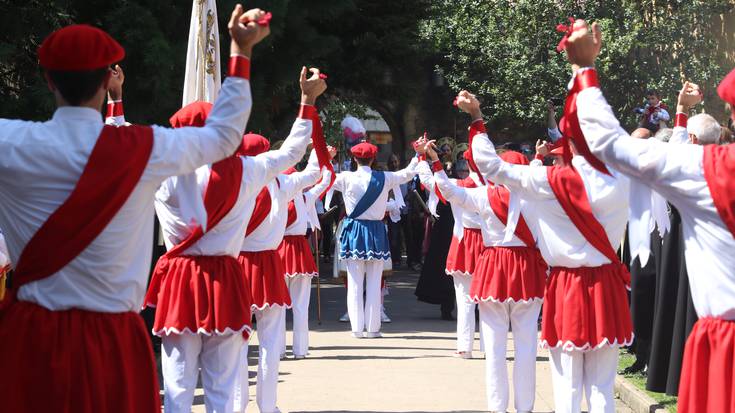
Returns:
point(223, 189)
point(499, 197)
point(569, 189)
point(113, 170)
point(291, 213)
point(719, 170)
point(262, 208)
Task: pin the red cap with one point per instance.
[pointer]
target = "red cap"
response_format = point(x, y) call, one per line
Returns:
point(193, 114)
point(514, 157)
point(726, 90)
point(79, 47)
point(253, 144)
point(364, 150)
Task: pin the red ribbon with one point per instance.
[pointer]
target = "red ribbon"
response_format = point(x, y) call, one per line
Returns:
point(320, 146)
point(567, 29)
point(569, 124)
point(265, 20)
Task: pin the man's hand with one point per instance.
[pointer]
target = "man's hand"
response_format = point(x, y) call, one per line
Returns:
point(542, 148)
point(311, 87)
point(332, 151)
point(584, 44)
point(467, 102)
point(429, 148)
point(117, 78)
point(689, 96)
point(245, 31)
point(550, 107)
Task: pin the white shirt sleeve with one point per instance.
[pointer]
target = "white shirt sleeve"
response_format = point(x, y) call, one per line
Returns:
point(530, 181)
point(296, 182)
point(466, 198)
point(402, 176)
point(181, 151)
point(262, 168)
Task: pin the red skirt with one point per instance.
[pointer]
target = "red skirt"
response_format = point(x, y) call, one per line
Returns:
point(295, 253)
point(587, 308)
point(506, 274)
point(264, 273)
point(708, 374)
point(75, 361)
point(464, 254)
point(200, 295)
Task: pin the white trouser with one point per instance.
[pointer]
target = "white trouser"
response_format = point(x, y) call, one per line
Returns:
point(465, 313)
point(299, 287)
point(494, 321)
point(370, 272)
point(592, 371)
point(182, 355)
point(241, 395)
point(270, 328)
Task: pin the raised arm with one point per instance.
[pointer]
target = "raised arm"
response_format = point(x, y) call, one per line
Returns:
point(648, 160)
point(296, 182)
point(115, 114)
point(530, 181)
point(689, 96)
point(403, 175)
point(182, 150)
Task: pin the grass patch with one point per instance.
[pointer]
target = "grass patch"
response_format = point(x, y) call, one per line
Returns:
point(626, 359)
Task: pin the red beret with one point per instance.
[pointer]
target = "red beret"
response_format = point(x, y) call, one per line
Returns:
point(253, 144)
point(79, 47)
point(364, 150)
point(514, 157)
point(193, 114)
point(726, 90)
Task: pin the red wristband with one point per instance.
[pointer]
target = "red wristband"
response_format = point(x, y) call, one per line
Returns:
point(681, 120)
point(239, 67)
point(539, 157)
point(307, 111)
point(114, 108)
point(586, 79)
point(436, 166)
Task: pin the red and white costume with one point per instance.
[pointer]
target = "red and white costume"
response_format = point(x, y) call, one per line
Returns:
point(698, 181)
point(77, 217)
point(264, 271)
point(298, 261)
point(585, 313)
point(203, 301)
point(508, 284)
point(464, 253)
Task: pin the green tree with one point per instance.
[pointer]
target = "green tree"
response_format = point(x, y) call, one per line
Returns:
point(504, 50)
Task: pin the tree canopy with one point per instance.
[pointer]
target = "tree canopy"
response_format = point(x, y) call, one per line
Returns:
point(504, 50)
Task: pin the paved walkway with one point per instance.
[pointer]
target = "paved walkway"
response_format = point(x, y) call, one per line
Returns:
point(410, 369)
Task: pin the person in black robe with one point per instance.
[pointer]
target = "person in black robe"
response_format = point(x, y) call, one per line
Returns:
point(674, 314)
point(642, 299)
point(434, 285)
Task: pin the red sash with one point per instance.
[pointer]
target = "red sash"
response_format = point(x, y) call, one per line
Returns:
point(476, 128)
point(319, 142)
point(223, 189)
point(113, 170)
point(719, 170)
point(292, 214)
point(262, 208)
point(567, 185)
point(499, 197)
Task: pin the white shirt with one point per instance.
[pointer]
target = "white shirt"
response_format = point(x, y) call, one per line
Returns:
point(675, 172)
point(560, 242)
point(463, 217)
point(180, 199)
point(476, 200)
point(40, 166)
point(353, 186)
point(4, 257)
point(269, 234)
point(306, 214)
